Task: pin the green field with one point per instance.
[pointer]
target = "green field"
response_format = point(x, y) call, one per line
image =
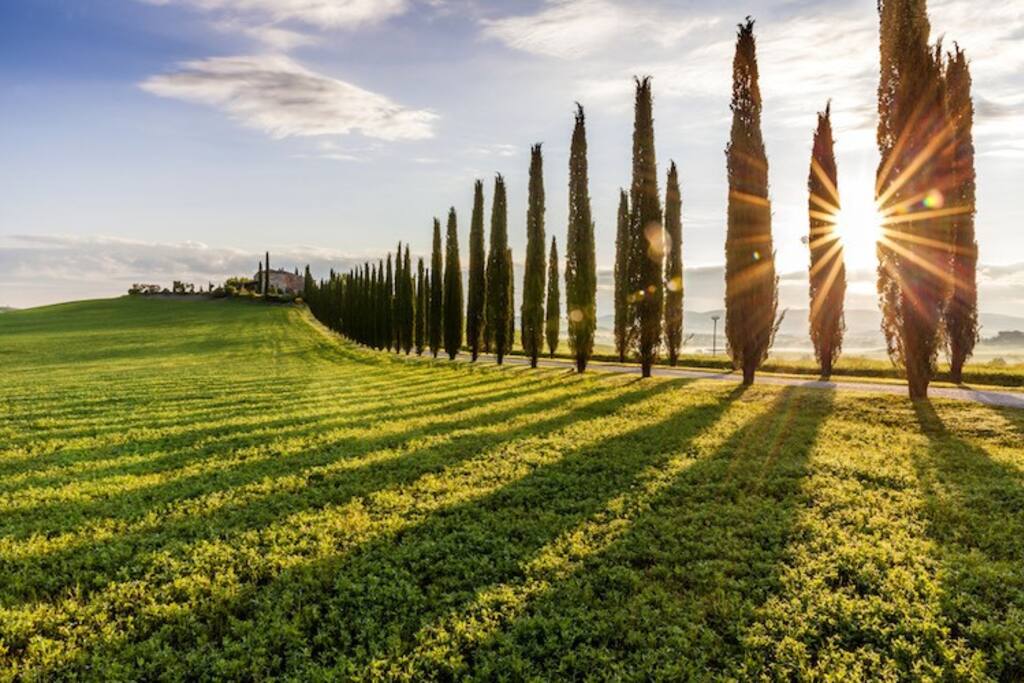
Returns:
point(213, 490)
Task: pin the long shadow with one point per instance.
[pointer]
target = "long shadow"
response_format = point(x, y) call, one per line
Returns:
point(673, 597)
point(203, 443)
point(975, 510)
point(43, 577)
point(386, 589)
point(300, 400)
point(60, 516)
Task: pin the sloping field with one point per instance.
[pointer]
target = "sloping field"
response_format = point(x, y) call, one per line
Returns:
point(221, 490)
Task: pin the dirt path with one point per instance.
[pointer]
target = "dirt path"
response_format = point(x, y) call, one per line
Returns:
point(993, 398)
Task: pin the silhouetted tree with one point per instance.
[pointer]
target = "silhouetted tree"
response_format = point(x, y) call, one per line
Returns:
point(436, 310)
point(532, 328)
point(477, 274)
point(580, 259)
point(388, 309)
point(510, 336)
point(914, 169)
point(751, 287)
point(452, 290)
point(422, 305)
point(828, 269)
point(961, 317)
point(499, 275)
point(408, 302)
point(646, 235)
point(622, 287)
point(552, 310)
point(673, 265)
point(266, 276)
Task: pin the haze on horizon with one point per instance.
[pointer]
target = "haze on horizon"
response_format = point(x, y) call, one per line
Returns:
point(151, 140)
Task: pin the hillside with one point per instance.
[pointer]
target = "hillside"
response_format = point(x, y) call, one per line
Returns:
point(222, 490)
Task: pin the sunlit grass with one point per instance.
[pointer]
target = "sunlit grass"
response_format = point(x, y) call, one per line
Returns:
point(224, 490)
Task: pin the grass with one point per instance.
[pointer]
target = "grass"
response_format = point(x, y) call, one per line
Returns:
point(215, 490)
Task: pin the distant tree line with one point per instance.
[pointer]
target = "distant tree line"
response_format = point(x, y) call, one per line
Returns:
point(927, 252)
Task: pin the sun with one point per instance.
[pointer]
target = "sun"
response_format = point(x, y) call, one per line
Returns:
point(859, 226)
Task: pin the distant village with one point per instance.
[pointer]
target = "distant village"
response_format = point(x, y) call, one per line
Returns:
point(271, 283)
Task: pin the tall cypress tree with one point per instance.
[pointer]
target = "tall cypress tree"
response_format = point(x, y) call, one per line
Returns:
point(266, 276)
point(381, 307)
point(422, 303)
point(913, 144)
point(388, 309)
point(580, 259)
point(646, 234)
point(552, 310)
point(532, 327)
point(436, 311)
point(622, 288)
point(408, 303)
point(452, 290)
point(510, 316)
point(477, 274)
point(961, 318)
point(751, 287)
point(828, 268)
point(673, 265)
point(498, 303)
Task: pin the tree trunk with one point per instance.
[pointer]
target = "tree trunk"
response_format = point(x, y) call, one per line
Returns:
point(581, 364)
point(956, 371)
point(748, 373)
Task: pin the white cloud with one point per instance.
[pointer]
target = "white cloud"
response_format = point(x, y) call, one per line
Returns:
point(325, 14)
point(275, 94)
point(570, 29)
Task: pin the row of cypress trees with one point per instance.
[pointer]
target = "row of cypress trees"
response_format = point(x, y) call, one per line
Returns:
point(388, 308)
point(927, 256)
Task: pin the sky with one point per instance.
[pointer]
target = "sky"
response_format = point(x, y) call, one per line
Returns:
point(152, 140)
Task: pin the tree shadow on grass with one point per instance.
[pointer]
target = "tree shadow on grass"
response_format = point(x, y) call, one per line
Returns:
point(416, 564)
point(46, 576)
point(975, 509)
point(673, 598)
point(194, 445)
point(374, 599)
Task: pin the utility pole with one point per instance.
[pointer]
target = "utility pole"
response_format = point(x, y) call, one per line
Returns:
point(714, 335)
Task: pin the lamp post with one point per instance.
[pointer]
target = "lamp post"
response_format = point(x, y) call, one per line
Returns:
point(714, 335)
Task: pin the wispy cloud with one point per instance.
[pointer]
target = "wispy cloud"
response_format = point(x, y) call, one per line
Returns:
point(324, 14)
point(570, 29)
point(275, 94)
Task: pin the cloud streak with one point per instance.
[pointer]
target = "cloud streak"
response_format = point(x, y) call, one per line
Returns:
point(279, 96)
point(324, 14)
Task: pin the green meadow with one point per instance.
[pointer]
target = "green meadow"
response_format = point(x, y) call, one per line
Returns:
point(224, 490)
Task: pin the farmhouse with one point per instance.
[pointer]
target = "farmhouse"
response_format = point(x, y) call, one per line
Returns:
point(282, 281)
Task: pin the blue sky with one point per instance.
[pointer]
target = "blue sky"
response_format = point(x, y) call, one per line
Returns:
point(150, 140)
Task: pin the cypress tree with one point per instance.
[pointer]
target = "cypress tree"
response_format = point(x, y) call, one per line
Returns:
point(388, 309)
point(266, 276)
point(452, 290)
point(646, 234)
point(408, 304)
point(552, 309)
point(913, 144)
point(498, 303)
point(308, 286)
point(436, 310)
point(477, 275)
point(580, 259)
point(828, 269)
point(532, 327)
point(259, 277)
point(510, 316)
point(961, 317)
point(751, 287)
point(382, 306)
point(622, 288)
point(673, 265)
point(420, 331)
